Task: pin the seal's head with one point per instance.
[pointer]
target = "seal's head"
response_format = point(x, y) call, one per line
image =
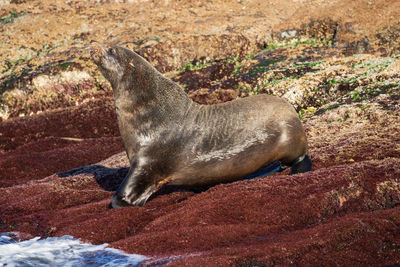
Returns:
point(114, 62)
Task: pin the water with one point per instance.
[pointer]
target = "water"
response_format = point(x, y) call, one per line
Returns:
point(61, 251)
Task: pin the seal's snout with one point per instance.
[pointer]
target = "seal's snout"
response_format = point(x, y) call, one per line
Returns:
point(96, 52)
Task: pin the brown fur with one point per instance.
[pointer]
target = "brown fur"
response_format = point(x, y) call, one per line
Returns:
point(169, 138)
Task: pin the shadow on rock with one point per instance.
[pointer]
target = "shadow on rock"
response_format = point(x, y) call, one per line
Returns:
point(108, 178)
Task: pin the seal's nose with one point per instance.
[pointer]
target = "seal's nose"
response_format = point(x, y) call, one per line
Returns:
point(96, 52)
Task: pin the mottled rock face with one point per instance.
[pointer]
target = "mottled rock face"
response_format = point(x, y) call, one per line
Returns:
point(61, 161)
point(171, 35)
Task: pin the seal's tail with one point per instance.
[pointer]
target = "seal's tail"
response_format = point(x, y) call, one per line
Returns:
point(300, 166)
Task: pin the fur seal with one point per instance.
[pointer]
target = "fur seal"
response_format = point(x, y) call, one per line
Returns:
point(171, 139)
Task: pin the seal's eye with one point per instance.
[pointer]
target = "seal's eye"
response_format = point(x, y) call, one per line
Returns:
point(111, 51)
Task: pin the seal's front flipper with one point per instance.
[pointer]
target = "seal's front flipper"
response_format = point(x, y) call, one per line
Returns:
point(136, 188)
point(266, 170)
point(302, 164)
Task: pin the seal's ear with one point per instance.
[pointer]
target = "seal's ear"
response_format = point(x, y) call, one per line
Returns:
point(131, 65)
point(130, 68)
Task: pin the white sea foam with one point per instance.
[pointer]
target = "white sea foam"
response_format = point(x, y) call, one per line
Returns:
point(61, 251)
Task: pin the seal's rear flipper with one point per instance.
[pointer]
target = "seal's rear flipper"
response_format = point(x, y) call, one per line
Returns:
point(269, 169)
point(301, 165)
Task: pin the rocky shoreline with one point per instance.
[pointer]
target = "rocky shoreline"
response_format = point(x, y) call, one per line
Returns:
point(337, 62)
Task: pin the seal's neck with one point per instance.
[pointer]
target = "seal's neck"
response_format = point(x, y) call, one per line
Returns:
point(153, 95)
point(148, 102)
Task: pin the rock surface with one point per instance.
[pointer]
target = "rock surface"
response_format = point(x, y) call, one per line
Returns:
point(61, 156)
point(48, 66)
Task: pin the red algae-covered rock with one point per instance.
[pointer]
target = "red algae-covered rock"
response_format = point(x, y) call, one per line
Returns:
point(35, 147)
point(353, 240)
point(93, 119)
point(276, 220)
point(39, 159)
point(344, 212)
